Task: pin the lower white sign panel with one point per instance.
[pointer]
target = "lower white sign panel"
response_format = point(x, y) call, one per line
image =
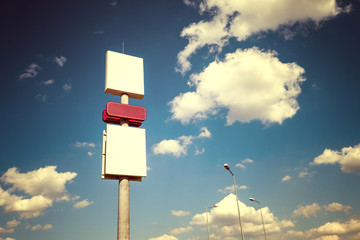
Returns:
point(124, 152)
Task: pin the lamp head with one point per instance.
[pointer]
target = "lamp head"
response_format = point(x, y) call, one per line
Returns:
point(251, 199)
point(226, 166)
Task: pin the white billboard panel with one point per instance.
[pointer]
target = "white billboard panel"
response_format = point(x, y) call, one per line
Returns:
point(124, 74)
point(124, 153)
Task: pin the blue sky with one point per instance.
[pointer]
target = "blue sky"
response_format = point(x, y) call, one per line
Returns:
point(269, 87)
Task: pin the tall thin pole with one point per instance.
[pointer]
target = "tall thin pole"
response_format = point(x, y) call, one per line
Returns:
point(226, 166)
point(123, 232)
point(207, 220)
point(237, 202)
point(262, 218)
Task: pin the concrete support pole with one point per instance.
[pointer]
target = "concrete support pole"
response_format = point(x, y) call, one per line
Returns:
point(124, 210)
point(124, 194)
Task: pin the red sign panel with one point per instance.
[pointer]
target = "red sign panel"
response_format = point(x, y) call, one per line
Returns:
point(116, 120)
point(118, 110)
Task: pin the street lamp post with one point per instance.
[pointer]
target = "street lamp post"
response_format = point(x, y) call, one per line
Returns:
point(262, 219)
point(207, 220)
point(226, 166)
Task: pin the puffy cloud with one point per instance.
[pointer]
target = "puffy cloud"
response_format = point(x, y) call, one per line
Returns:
point(113, 3)
point(337, 207)
point(90, 153)
point(251, 84)
point(348, 158)
point(224, 219)
point(247, 160)
point(243, 19)
point(307, 211)
point(180, 230)
point(179, 213)
point(84, 144)
point(286, 178)
point(179, 147)
point(198, 152)
point(44, 186)
point(46, 182)
point(12, 224)
point(164, 237)
point(174, 147)
point(48, 82)
point(40, 227)
point(241, 165)
point(67, 87)
point(41, 97)
point(82, 204)
point(311, 210)
point(329, 230)
point(60, 60)
point(3, 230)
point(230, 189)
point(204, 133)
point(329, 237)
point(31, 71)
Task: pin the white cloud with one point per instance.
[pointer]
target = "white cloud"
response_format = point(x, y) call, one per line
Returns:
point(44, 185)
point(241, 165)
point(67, 87)
point(12, 224)
point(90, 153)
point(204, 133)
point(60, 60)
point(337, 207)
point(40, 227)
point(148, 168)
point(348, 158)
point(243, 19)
point(312, 210)
point(247, 160)
point(82, 204)
point(328, 237)
point(179, 147)
point(173, 147)
point(41, 97)
point(190, 3)
point(286, 178)
point(48, 82)
point(254, 85)
point(224, 220)
point(3, 230)
point(84, 144)
point(230, 189)
point(113, 3)
point(179, 213)
point(31, 71)
point(180, 230)
point(199, 152)
point(164, 237)
point(330, 230)
point(307, 211)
